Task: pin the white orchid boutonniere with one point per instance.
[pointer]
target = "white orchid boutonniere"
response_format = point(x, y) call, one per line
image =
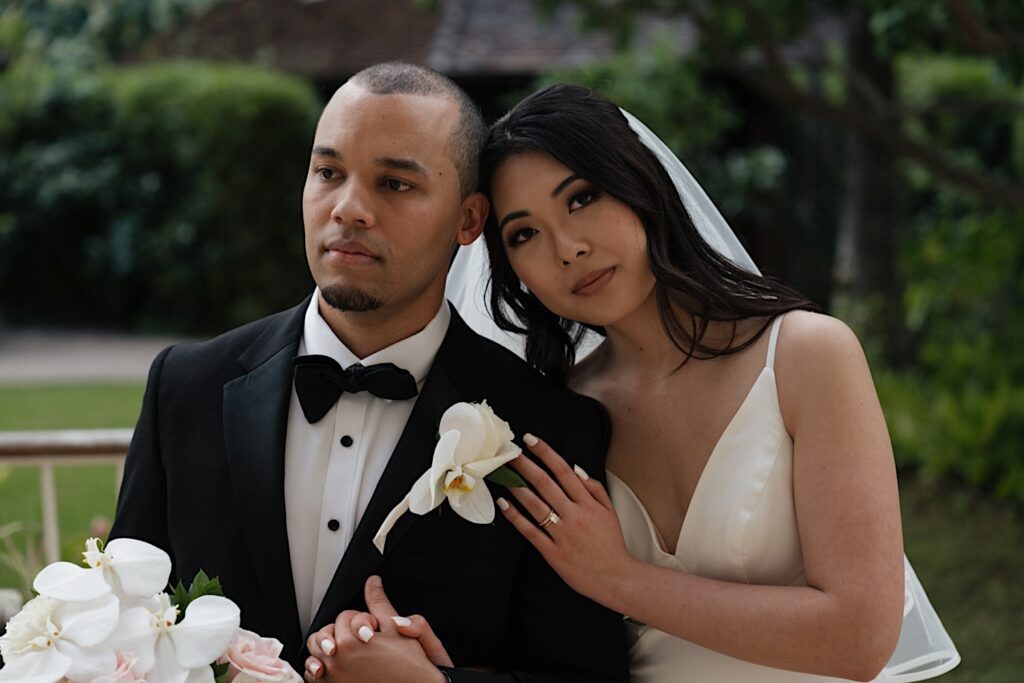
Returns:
point(473, 443)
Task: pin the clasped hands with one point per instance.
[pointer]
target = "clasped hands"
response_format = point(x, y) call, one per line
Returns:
point(376, 645)
point(582, 542)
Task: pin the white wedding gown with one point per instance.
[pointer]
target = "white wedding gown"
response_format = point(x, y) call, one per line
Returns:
point(741, 526)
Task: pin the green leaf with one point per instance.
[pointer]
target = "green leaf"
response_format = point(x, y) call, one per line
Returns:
point(220, 672)
point(201, 585)
point(507, 477)
point(204, 585)
point(180, 598)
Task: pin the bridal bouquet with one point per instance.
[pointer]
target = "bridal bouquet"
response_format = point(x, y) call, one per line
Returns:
point(111, 621)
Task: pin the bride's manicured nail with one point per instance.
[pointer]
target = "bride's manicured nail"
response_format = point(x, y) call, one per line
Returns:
point(503, 504)
point(314, 667)
point(365, 633)
point(401, 621)
point(327, 645)
point(580, 472)
point(530, 440)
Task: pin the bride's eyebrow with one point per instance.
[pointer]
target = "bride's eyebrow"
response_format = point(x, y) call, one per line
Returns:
point(511, 217)
point(554, 193)
point(564, 184)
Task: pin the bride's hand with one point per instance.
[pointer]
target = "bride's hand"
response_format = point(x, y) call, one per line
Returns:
point(585, 545)
point(365, 625)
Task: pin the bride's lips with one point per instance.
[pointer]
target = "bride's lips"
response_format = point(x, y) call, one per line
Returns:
point(350, 251)
point(593, 282)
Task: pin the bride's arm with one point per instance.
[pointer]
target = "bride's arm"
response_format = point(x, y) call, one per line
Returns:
point(845, 622)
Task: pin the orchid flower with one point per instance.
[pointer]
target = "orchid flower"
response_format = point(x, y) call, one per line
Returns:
point(474, 442)
point(132, 569)
point(50, 640)
point(177, 652)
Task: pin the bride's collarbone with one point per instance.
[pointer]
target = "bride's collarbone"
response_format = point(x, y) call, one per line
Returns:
point(664, 435)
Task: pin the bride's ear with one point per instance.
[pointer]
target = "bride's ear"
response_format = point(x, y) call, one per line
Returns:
point(474, 213)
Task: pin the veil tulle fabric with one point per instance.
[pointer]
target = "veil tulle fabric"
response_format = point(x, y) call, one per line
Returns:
point(924, 649)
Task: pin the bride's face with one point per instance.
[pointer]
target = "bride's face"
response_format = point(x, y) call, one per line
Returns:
point(582, 252)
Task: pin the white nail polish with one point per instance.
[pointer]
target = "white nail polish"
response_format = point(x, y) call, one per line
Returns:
point(503, 504)
point(530, 440)
point(314, 667)
point(327, 645)
point(402, 621)
point(365, 633)
point(580, 472)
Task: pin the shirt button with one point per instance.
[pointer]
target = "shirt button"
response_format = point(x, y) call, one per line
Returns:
point(333, 525)
point(346, 441)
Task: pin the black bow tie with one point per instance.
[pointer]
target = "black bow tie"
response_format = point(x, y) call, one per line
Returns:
point(319, 381)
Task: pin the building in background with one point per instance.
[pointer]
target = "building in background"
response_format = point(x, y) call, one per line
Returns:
point(490, 47)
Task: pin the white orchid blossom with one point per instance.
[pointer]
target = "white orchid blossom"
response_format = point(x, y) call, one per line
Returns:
point(131, 569)
point(50, 640)
point(177, 652)
point(110, 621)
point(474, 442)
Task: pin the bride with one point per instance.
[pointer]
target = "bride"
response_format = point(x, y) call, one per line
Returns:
point(751, 527)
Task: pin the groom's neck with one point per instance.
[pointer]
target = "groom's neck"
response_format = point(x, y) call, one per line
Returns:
point(365, 333)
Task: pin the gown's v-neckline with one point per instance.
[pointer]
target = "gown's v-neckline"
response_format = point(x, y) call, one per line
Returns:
point(655, 532)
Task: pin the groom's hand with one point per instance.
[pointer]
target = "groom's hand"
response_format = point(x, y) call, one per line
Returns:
point(351, 650)
point(415, 626)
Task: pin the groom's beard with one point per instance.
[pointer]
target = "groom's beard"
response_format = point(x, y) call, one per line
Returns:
point(350, 299)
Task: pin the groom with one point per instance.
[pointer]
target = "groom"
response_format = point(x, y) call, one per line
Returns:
point(245, 464)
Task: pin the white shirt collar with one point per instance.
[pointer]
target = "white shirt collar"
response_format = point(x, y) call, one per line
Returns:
point(415, 354)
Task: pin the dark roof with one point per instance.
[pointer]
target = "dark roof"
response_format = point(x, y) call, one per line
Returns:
point(332, 39)
point(321, 39)
point(476, 37)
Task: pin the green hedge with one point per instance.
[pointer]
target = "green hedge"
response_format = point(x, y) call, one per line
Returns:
point(959, 410)
point(158, 197)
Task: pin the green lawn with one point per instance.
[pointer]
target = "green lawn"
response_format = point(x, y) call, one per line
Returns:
point(969, 554)
point(86, 493)
point(967, 550)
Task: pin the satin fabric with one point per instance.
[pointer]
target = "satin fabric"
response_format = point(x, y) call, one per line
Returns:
point(741, 526)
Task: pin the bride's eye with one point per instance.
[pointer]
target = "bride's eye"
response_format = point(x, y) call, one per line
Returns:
point(519, 236)
point(583, 198)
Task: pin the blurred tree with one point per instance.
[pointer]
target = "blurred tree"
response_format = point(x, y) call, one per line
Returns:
point(783, 51)
point(81, 34)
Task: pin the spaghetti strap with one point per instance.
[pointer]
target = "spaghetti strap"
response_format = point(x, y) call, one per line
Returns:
point(772, 341)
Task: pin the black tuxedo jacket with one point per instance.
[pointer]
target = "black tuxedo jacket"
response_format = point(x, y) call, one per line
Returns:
point(204, 479)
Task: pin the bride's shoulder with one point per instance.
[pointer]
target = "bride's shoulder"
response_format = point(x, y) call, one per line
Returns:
point(820, 370)
point(812, 343)
point(807, 331)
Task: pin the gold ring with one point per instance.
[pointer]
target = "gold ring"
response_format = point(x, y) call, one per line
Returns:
point(550, 520)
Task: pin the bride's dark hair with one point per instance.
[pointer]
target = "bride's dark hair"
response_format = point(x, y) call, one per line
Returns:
point(589, 135)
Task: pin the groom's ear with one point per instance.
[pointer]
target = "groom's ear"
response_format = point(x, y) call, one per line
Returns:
point(473, 214)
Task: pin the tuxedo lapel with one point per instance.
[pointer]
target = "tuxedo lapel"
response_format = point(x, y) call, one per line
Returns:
point(255, 421)
point(410, 459)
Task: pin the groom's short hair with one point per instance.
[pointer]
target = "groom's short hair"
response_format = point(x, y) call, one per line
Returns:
point(467, 135)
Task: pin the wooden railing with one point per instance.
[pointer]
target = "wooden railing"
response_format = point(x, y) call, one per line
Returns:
point(68, 447)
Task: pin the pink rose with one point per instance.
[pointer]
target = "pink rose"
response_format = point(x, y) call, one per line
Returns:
point(257, 660)
point(123, 672)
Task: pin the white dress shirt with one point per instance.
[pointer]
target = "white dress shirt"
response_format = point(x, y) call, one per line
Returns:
point(332, 467)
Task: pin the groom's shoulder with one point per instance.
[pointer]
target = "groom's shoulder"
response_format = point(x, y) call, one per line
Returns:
point(577, 426)
point(507, 377)
point(220, 355)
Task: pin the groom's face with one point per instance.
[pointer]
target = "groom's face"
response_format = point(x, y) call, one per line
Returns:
point(382, 204)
